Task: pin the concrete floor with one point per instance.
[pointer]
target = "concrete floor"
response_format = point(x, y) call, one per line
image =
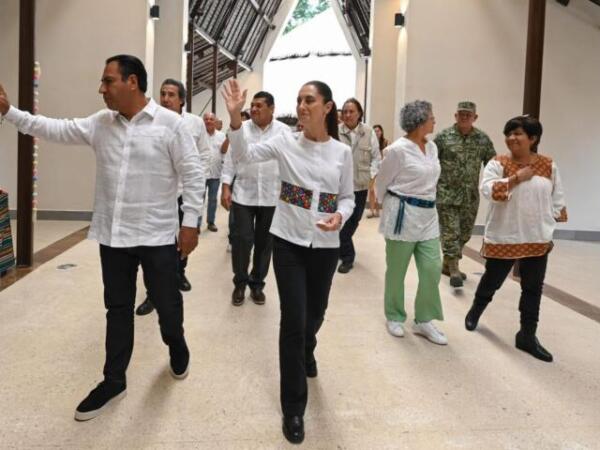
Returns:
point(373, 390)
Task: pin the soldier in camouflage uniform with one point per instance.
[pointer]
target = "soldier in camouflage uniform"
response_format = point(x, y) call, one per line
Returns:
point(462, 150)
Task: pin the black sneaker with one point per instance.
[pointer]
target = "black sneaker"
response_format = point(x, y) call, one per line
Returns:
point(184, 284)
point(180, 361)
point(99, 398)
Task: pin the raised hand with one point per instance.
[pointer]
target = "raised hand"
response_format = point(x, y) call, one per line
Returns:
point(235, 99)
point(4, 102)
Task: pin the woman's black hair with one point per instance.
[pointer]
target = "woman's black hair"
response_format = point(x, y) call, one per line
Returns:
point(530, 125)
point(358, 106)
point(331, 118)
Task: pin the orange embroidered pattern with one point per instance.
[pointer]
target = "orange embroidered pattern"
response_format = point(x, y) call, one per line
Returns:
point(563, 215)
point(500, 191)
point(515, 251)
point(541, 165)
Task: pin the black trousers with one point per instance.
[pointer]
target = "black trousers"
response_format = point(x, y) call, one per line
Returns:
point(533, 271)
point(304, 276)
point(119, 273)
point(347, 252)
point(181, 263)
point(251, 226)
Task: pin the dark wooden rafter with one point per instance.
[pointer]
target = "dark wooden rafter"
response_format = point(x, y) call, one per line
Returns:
point(357, 14)
point(237, 27)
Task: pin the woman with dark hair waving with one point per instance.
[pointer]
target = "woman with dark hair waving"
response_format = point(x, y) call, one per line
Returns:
point(526, 200)
point(316, 198)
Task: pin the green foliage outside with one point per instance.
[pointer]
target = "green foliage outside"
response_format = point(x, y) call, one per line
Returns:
point(305, 10)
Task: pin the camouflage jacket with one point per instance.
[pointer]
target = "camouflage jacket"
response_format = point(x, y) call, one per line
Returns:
point(461, 158)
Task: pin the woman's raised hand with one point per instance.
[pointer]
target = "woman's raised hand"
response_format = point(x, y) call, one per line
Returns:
point(235, 99)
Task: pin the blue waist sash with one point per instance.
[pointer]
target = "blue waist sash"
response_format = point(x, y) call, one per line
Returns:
point(411, 201)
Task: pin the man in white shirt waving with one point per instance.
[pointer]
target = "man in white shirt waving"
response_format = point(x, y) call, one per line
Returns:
point(252, 203)
point(172, 96)
point(142, 150)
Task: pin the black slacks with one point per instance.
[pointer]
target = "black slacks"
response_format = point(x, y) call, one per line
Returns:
point(181, 263)
point(119, 273)
point(304, 276)
point(533, 271)
point(347, 252)
point(251, 226)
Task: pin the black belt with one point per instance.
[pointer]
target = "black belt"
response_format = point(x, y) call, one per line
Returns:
point(411, 201)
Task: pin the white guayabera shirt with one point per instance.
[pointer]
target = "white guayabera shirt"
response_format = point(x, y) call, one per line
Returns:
point(256, 184)
point(215, 164)
point(138, 164)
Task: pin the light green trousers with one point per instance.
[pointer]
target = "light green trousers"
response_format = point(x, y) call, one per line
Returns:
point(428, 305)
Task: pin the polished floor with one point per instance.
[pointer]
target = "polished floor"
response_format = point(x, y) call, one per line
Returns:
point(373, 390)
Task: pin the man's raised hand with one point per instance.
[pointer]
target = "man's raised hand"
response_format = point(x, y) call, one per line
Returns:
point(235, 99)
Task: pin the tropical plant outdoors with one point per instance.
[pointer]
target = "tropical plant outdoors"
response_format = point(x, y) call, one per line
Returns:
point(305, 10)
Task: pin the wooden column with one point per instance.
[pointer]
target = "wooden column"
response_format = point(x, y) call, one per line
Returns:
point(533, 67)
point(535, 57)
point(25, 143)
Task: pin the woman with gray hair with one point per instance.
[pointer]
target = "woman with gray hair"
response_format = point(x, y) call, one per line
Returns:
point(406, 185)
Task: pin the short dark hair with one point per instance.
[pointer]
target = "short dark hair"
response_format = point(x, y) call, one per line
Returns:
point(358, 106)
point(179, 85)
point(530, 125)
point(130, 65)
point(269, 100)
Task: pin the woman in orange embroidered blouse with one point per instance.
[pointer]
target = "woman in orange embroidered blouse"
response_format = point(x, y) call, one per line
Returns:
point(526, 201)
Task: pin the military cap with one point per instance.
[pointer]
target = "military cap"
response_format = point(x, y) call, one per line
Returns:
point(467, 106)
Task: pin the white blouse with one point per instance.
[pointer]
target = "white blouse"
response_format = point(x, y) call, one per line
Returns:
point(316, 181)
point(406, 170)
point(520, 221)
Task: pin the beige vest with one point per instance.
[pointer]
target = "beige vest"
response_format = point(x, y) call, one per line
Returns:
point(361, 154)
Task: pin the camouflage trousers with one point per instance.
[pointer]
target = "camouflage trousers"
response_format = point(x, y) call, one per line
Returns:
point(456, 226)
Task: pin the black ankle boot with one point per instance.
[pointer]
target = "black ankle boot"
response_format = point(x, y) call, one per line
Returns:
point(526, 341)
point(472, 318)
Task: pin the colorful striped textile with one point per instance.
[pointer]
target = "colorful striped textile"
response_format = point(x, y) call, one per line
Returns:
point(7, 259)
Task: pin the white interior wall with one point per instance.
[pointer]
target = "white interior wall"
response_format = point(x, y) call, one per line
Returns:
point(73, 39)
point(170, 37)
point(475, 49)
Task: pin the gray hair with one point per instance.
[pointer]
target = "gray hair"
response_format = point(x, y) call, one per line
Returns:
point(414, 114)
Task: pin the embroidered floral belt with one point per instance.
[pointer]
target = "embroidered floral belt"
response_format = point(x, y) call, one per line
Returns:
point(299, 196)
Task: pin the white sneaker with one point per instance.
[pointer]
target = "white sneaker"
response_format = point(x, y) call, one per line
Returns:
point(228, 249)
point(395, 328)
point(429, 331)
